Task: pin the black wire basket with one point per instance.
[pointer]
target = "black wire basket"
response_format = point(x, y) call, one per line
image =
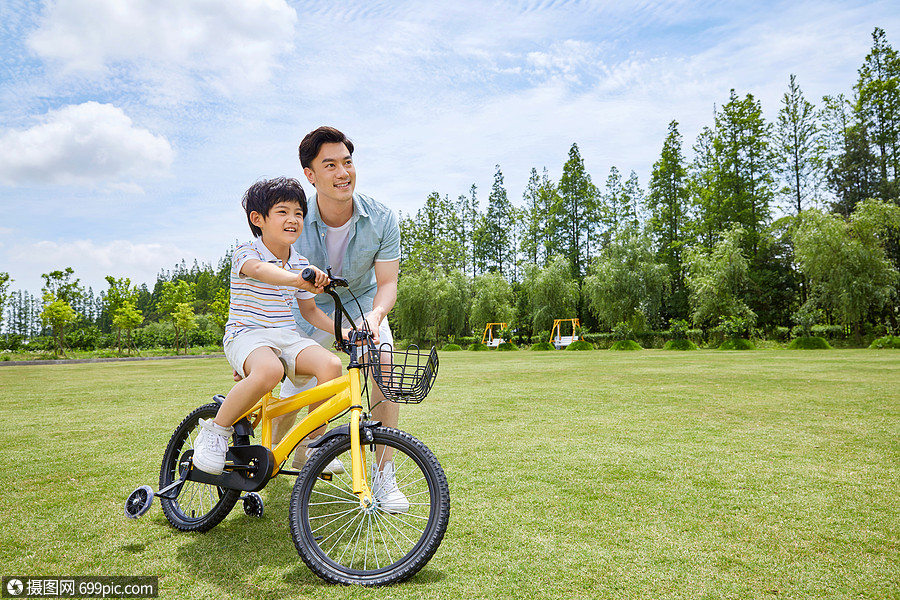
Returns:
point(403, 376)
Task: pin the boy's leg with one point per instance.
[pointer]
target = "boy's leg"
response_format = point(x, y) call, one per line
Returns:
point(263, 370)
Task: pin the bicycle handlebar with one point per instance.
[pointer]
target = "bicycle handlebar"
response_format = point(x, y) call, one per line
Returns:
point(309, 275)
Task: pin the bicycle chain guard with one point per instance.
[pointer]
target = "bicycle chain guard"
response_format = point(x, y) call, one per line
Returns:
point(247, 468)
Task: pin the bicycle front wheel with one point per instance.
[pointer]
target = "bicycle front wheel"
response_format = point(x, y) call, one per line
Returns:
point(199, 506)
point(388, 542)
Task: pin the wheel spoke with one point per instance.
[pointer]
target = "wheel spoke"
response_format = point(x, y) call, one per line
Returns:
point(343, 541)
point(199, 506)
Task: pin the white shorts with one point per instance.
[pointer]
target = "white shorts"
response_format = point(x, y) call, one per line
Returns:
point(326, 340)
point(286, 343)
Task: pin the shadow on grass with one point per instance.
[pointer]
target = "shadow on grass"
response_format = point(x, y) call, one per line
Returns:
point(244, 555)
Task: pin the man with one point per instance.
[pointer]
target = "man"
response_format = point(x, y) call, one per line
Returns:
point(359, 239)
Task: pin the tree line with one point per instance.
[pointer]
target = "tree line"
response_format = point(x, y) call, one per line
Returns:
point(760, 226)
point(187, 306)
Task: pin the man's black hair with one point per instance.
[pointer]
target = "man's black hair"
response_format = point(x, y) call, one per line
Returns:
point(313, 141)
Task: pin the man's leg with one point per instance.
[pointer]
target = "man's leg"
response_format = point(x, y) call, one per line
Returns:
point(324, 366)
point(281, 425)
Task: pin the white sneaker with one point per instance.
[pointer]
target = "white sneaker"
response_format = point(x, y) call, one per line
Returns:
point(304, 453)
point(210, 447)
point(384, 486)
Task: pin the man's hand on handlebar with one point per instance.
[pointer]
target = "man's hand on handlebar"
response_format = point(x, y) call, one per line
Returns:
point(373, 324)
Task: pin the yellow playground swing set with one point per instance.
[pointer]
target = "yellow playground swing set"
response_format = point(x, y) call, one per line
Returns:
point(559, 340)
point(488, 338)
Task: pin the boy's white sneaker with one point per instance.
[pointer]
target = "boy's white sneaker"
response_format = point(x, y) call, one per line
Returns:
point(303, 453)
point(210, 447)
point(384, 486)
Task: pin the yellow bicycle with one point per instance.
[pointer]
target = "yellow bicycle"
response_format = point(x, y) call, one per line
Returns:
point(342, 527)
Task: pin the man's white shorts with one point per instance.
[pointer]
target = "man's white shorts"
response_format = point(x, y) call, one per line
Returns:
point(286, 343)
point(385, 336)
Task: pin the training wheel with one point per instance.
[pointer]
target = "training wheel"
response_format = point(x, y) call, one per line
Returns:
point(253, 505)
point(139, 502)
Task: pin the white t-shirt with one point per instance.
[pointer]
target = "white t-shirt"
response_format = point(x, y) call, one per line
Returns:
point(336, 240)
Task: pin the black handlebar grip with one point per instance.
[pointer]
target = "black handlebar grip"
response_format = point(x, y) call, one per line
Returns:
point(308, 275)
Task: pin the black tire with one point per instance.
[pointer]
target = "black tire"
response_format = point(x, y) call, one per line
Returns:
point(342, 542)
point(139, 502)
point(199, 506)
point(253, 505)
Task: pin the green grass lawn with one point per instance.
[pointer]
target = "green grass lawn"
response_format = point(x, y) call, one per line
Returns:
point(767, 474)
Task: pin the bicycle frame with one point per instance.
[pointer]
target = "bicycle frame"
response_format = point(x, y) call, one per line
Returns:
point(342, 394)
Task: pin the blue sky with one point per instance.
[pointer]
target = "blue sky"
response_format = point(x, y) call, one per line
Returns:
point(129, 130)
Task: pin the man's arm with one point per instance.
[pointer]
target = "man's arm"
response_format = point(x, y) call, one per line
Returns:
point(316, 317)
point(386, 275)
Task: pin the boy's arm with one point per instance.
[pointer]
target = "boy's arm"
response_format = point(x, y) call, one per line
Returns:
point(316, 317)
point(274, 275)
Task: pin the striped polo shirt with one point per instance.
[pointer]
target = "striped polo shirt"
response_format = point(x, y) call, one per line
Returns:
point(258, 305)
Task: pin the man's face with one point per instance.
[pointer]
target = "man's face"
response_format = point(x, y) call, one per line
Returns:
point(332, 173)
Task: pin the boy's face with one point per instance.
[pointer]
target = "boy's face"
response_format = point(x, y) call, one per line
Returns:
point(332, 173)
point(282, 225)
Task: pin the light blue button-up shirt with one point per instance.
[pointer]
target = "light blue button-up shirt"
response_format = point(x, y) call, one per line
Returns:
point(374, 237)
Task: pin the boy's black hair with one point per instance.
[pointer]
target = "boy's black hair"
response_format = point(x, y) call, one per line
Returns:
point(266, 193)
point(312, 143)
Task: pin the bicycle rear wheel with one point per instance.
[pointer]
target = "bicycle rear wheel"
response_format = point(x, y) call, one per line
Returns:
point(199, 506)
point(343, 542)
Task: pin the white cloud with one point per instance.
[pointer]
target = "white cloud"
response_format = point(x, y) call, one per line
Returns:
point(228, 44)
point(81, 143)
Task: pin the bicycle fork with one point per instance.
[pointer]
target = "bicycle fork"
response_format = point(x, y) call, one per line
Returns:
point(357, 457)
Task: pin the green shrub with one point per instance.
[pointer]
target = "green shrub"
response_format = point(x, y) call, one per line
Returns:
point(542, 346)
point(451, 348)
point(737, 344)
point(736, 327)
point(683, 344)
point(623, 331)
point(11, 342)
point(809, 342)
point(807, 317)
point(678, 329)
point(477, 347)
point(830, 332)
point(888, 341)
point(580, 345)
point(695, 335)
point(626, 345)
point(781, 334)
point(506, 347)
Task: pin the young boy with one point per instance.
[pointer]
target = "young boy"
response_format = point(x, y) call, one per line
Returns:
point(261, 338)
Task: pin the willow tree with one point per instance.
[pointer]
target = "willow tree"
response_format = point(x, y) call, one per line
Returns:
point(718, 280)
point(626, 278)
point(845, 261)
